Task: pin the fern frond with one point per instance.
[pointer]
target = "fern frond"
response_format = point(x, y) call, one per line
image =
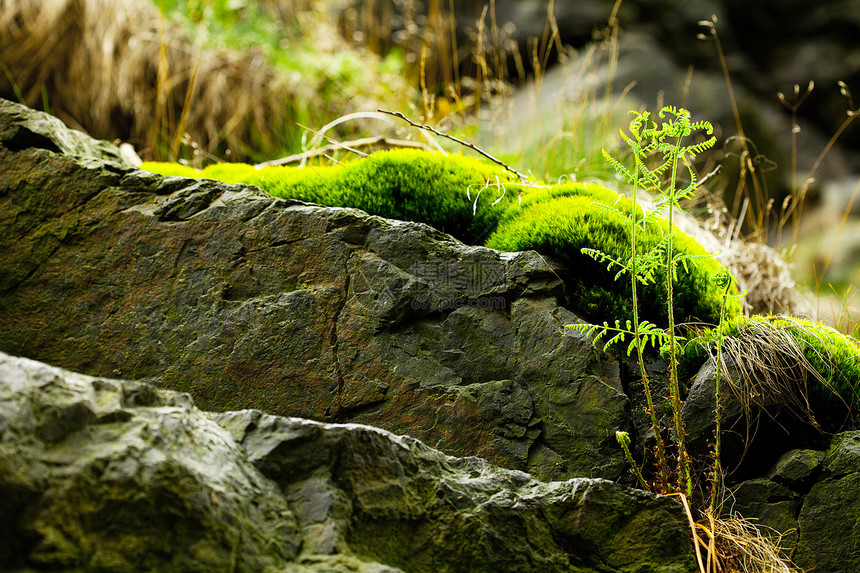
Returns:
point(700, 147)
point(619, 167)
point(602, 257)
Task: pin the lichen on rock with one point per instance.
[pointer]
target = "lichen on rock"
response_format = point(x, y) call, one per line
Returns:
point(103, 474)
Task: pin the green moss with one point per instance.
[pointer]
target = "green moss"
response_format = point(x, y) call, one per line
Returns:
point(562, 220)
point(402, 184)
point(451, 193)
point(228, 172)
point(170, 169)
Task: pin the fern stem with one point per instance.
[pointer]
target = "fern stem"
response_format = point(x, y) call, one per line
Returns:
point(716, 478)
point(662, 461)
point(685, 482)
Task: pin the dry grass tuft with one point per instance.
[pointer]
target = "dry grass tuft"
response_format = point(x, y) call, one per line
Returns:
point(765, 276)
point(734, 544)
point(767, 367)
point(112, 69)
point(737, 545)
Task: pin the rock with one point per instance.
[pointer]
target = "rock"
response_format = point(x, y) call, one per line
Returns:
point(829, 521)
point(797, 468)
point(754, 440)
point(770, 505)
point(25, 130)
point(104, 474)
point(99, 474)
point(810, 497)
point(246, 301)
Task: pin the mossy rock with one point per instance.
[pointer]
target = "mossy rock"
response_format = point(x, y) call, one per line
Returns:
point(562, 220)
point(481, 203)
point(833, 355)
point(450, 192)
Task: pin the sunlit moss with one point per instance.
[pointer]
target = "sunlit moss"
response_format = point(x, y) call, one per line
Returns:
point(820, 352)
point(170, 169)
point(481, 203)
point(560, 221)
point(453, 193)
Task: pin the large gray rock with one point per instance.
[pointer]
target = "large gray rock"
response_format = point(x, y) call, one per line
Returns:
point(246, 301)
point(107, 475)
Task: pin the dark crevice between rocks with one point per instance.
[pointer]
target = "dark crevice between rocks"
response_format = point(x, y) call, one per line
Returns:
point(639, 427)
point(23, 138)
point(752, 454)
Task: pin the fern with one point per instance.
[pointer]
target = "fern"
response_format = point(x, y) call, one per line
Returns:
point(648, 139)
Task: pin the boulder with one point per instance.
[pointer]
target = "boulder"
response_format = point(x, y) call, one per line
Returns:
point(756, 434)
point(101, 474)
point(246, 301)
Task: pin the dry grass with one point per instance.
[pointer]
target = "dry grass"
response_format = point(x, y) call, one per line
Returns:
point(116, 69)
point(734, 544)
point(112, 69)
point(764, 275)
point(737, 545)
point(767, 368)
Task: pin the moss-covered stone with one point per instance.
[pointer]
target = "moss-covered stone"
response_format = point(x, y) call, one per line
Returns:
point(563, 220)
point(479, 202)
point(244, 300)
point(453, 193)
point(831, 354)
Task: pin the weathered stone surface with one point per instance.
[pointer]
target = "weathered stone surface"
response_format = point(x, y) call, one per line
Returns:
point(770, 504)
point(245, 301)
point(811, 496)
point(797, 468)
point(829, 520)
point(106, 475)
point(102, 475)
point(25, 130)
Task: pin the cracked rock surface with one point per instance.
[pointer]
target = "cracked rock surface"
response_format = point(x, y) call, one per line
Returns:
point(101, 474)
point(246, 301)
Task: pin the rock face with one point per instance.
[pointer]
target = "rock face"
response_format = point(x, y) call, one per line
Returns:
point(811, 497)
point(243, 301)
point(108, 475)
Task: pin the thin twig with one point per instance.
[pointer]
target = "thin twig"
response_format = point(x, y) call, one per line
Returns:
point(471, 146)
point(354, 145)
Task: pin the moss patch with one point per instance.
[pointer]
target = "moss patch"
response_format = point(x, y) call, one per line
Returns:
point(562, 220)
point(402, 184)
point(480, 203)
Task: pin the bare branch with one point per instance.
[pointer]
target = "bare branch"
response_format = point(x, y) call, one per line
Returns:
point(471, 146)
point(378, 141)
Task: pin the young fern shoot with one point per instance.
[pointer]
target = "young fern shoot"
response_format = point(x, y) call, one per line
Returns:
point(669, 138)
point(647, 139)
